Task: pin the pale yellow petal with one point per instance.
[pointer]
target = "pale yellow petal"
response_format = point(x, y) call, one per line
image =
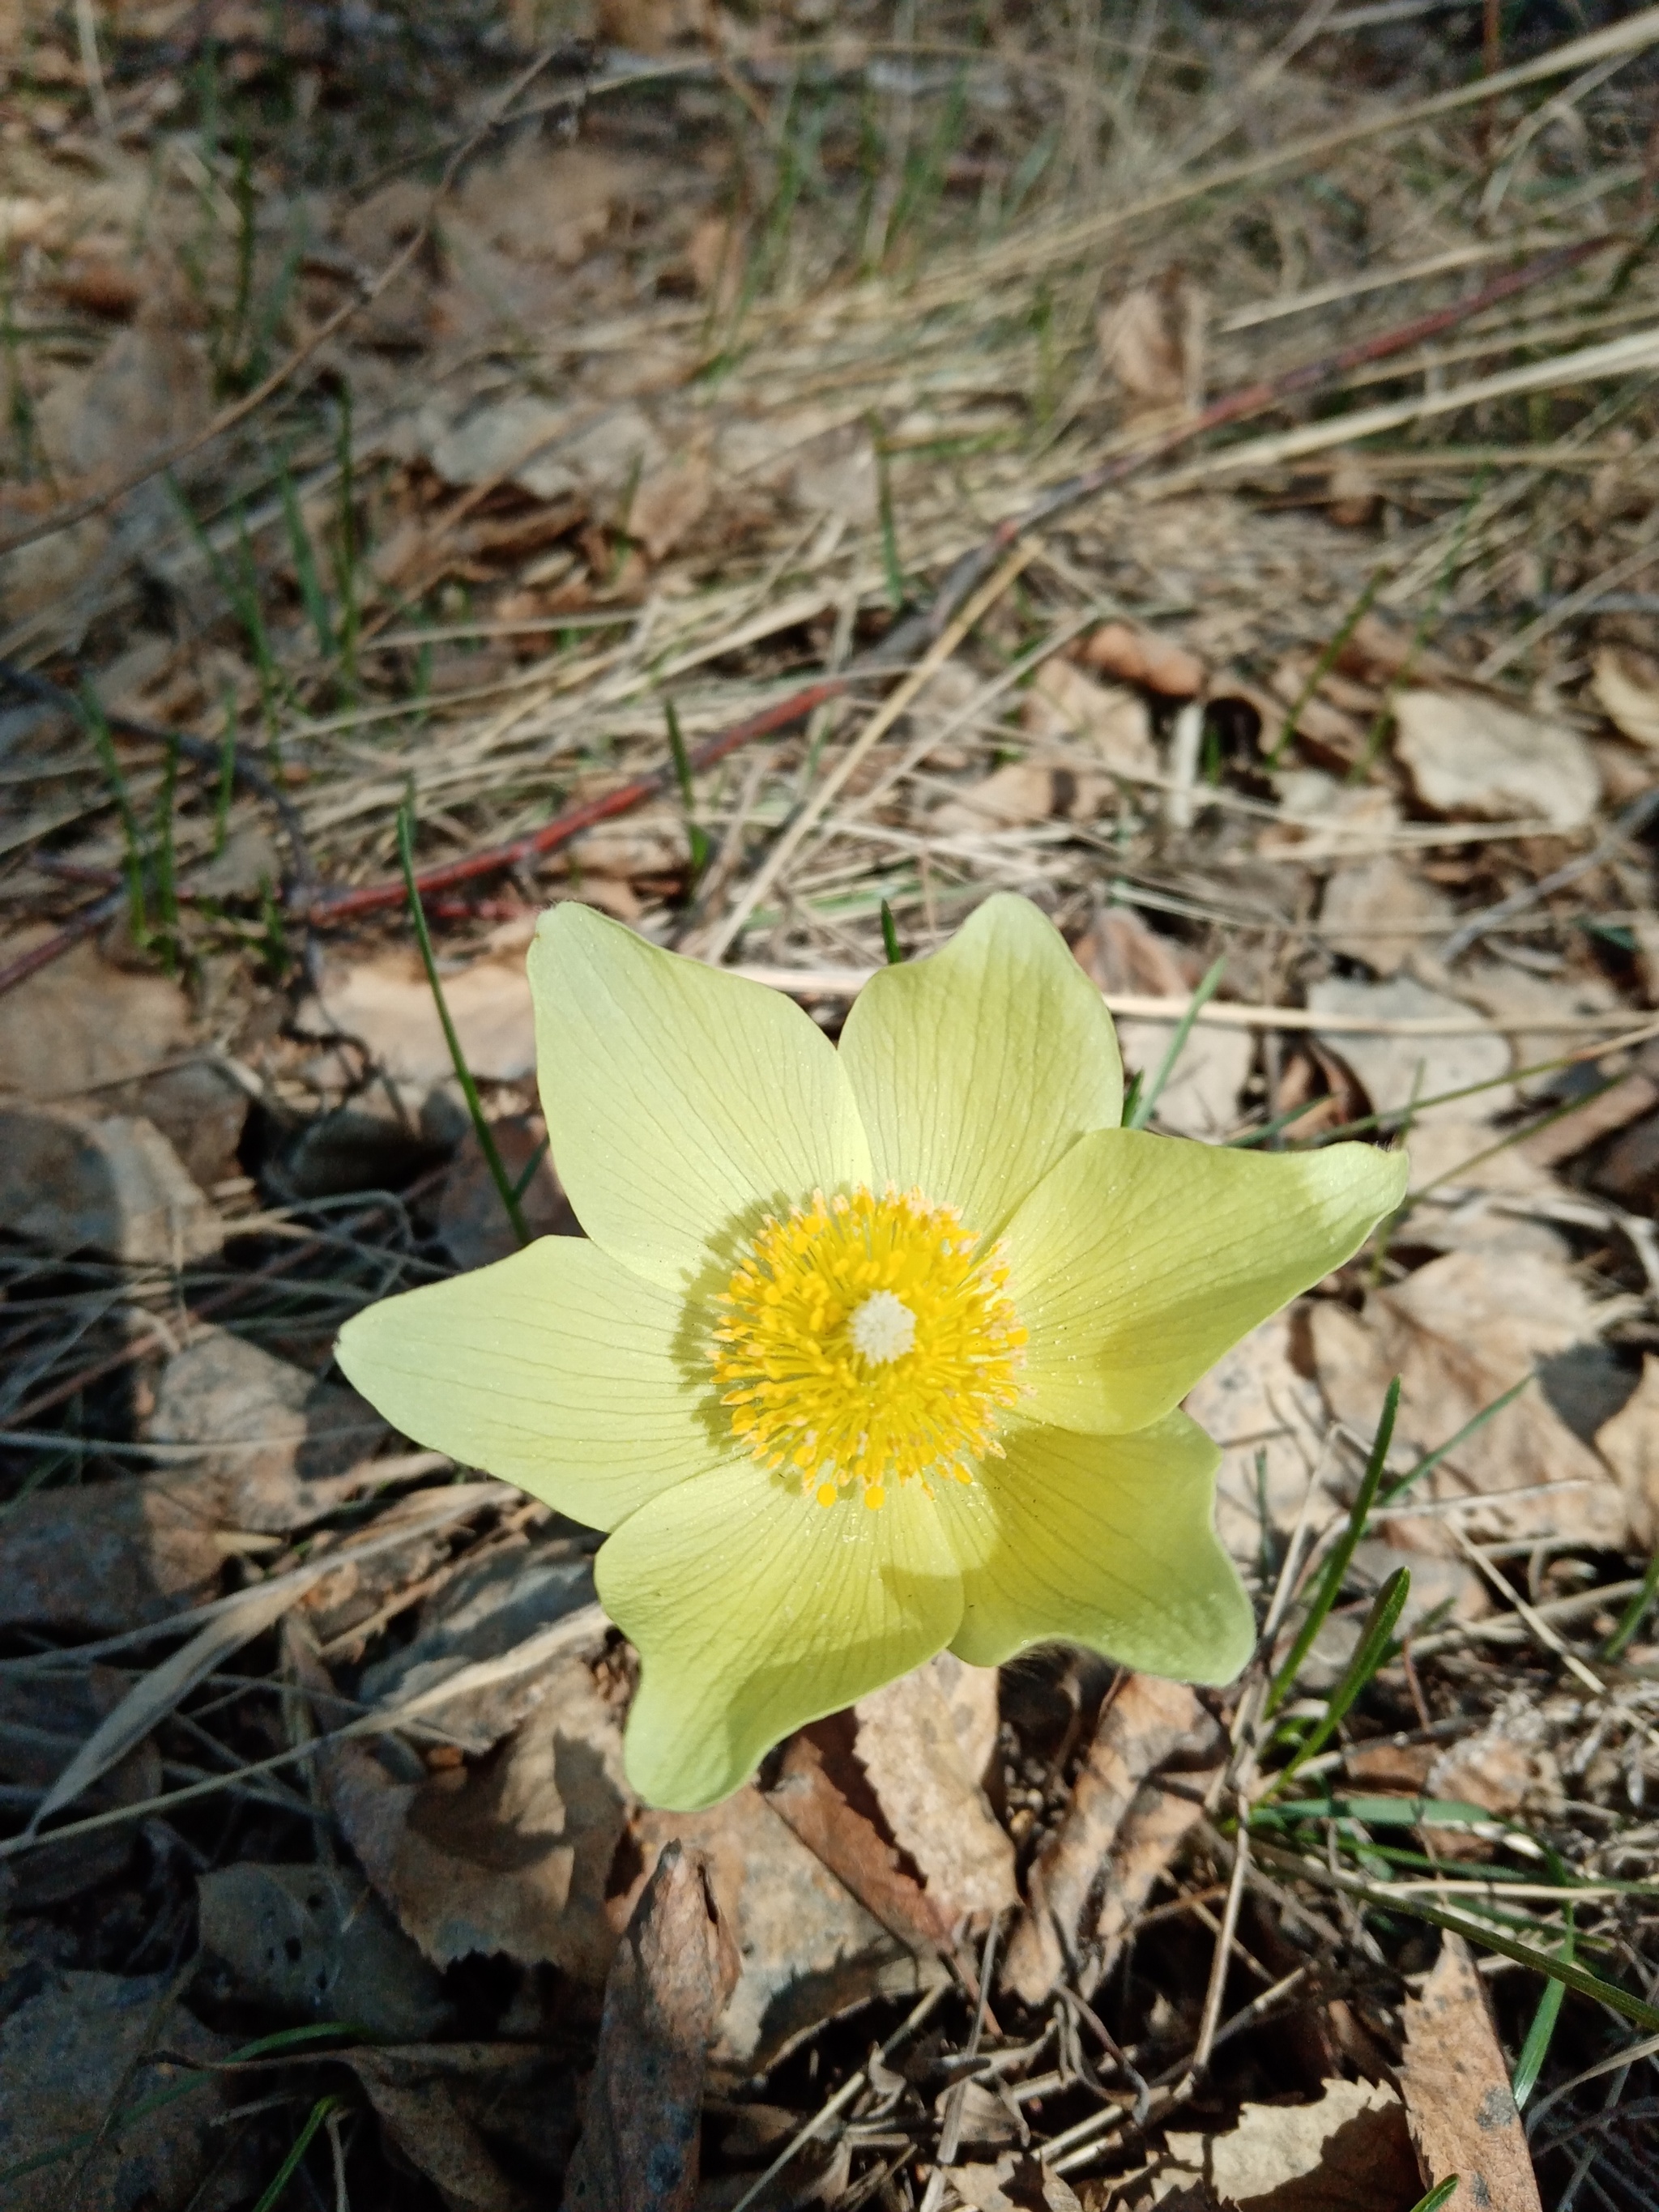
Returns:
point(681, 1102)
point(1140, 1260)
point(555, 1370)
point(976, 1068)
point(755, 1610)
point(1100, 1541)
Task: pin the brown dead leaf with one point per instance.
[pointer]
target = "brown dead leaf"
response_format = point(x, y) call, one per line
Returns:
point(1140, 1728)
point(1151, 340)
point(512, 1855)
point(314, 1942)
point(1120, 952)
point(931, 1799)
point(1020, 793)
point(1456, 2088)
point(551, 201)
point(1628, 1100)
point(113, 1556)
point(83, 1024)
point(70, 1183)
point(1369, 909)
point(1629, 1445)
point(1470, 755)
point(669, 1981)
point(489, 2124)
point(385, 1005)
point(68, 2053)
point(1256, 1400)
point(277, 1445)
point(1200, 1096)
point(1129, 654)
point(1109, 723)
point(809, 1948)
point(1626, 687)
point(811, 1801)
point(471, 1220)
point(1162, 1815)
point(43, 1721)
point(669, 505)
point(1506, 1768)
point(1460, 1332)
point(1349, 2151)
point(1398, 1070)
point(716, 254)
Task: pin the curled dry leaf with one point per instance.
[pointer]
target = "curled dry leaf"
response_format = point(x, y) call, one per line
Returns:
point(1140, 1728)
point(1152, 342)
point(75, 2052)
point(1396, 1072)
point(1129, 654)
point(1200, 1094)
point(1108, 720)
point(1469, 754)
point(385, 1005)
point(43, 1721)
point(1349, 2151)
point(489, 2124)
point(807, 1797)
point(1381, 912)
point(1629, 1443)
point(1460, 1332)
point(929, 1793)
point(1456, 2088)
point(669, 1983)
point(69, 1183)
point(1627, 686)
point(1119, 952)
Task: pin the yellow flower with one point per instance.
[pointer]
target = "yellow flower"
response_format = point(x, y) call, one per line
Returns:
point(867, 1352)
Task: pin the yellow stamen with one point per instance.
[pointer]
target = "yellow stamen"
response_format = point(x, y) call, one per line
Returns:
point(868, 1340)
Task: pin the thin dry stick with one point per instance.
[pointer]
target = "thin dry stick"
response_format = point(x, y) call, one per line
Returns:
point(877, 728)
point(1540, 1627)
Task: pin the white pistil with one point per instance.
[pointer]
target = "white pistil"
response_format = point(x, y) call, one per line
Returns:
point(882, 1328)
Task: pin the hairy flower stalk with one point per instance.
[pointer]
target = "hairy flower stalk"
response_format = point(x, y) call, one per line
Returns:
point(867, 1353)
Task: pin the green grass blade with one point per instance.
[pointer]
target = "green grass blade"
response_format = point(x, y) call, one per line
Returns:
point(696, 835)
point(1534, 2051)
point(1373, 1648)
point(1635, 1612)
point(312, 595)
point(1550, 1964)
point(1431, 1460)
point(1439, 2195)
point(284, 2173)
point(481, 1128)
point(92, 714)
point(1330, 1581)
point(1147, 1093)
point(889, 944)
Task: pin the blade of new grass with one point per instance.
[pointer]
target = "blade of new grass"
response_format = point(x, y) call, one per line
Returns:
point(1147, 1093)
point(1635, 1612)
point(1330, 1581)
point(696, 835)
point(1534, 2051)
point(284, 2173)
point(1440, 2194)
point(1373, 1648)
point(481, 1128)
point(1327, 659)
point(132, 843)
point(889, 944)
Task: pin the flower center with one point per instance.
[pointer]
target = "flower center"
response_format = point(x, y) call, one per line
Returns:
point(868, 1340)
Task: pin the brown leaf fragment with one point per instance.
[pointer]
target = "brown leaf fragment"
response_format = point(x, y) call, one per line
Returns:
point(1119, 952)
point(1456, 2088)
point(909, 1747)
point(73, 1184)
point(1349, 2152)
point(1629, 1099)
point(1129, 654)
point(1626, 687)
point(1469, 754)
point(850, 1846)
point(1162, 1815)
point(1108, 723)
point(1461, 1331)
point(1142, 1725)
point(113, 1556)
point(464, 2113)
point(79, 2047)
point(809, 1948)
point(314, 1942)
point(84, 1022)
point(511, 1856)
point(1369, 909)
point(1629, 1445)
point(642, 2114)
point(1152, 341)
point(43, 1721)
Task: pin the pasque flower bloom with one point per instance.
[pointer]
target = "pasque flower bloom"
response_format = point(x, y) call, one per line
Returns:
point(867, 1352)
